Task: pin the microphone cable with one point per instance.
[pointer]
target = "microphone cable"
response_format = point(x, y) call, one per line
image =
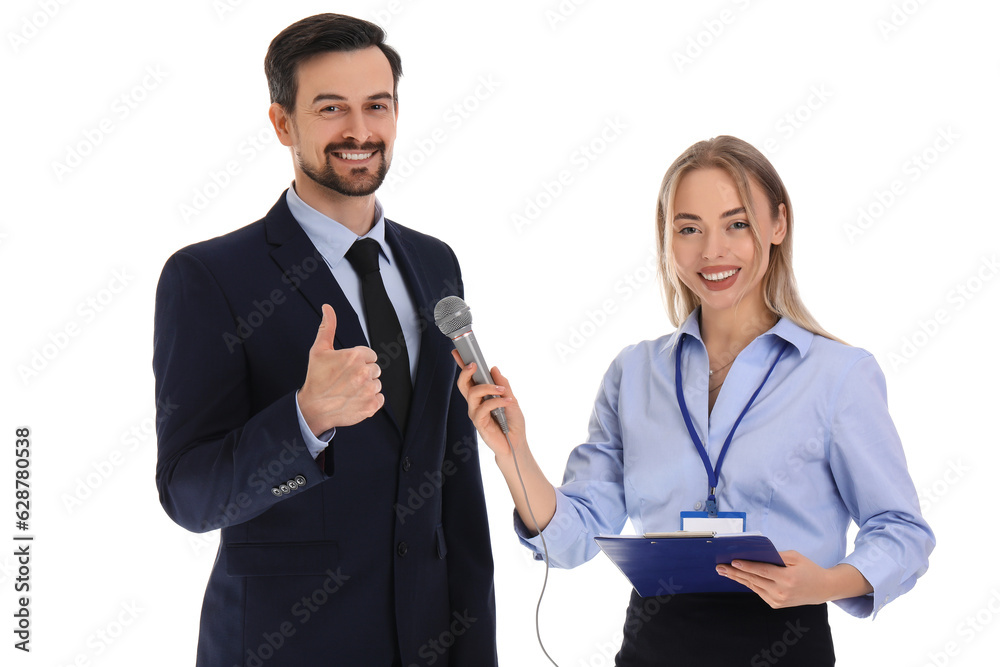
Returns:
point(545, 549)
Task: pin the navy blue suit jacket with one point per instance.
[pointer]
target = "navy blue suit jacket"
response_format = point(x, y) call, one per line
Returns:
point(390, 542)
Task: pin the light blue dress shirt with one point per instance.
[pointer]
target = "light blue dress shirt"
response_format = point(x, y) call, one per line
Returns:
point(333, 240)
point(816, 450)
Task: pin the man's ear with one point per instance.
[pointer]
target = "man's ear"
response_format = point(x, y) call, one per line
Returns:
point(282, 122)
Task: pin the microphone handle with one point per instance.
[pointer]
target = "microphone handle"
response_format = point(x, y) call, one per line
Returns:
point(469, 350)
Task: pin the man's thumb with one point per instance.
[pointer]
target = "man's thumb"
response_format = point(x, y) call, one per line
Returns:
point(327, 329)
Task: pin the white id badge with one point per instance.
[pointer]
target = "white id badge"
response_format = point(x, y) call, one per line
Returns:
point(725, 522)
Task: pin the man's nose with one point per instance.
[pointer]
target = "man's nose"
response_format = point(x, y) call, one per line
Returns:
point(357, 128)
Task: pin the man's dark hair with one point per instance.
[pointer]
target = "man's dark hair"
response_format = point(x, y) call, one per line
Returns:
point(319, 34)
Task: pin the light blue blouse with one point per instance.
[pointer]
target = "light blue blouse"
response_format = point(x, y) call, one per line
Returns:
point(816, 450)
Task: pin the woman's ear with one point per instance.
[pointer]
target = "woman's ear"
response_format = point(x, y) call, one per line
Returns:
point(780, 226)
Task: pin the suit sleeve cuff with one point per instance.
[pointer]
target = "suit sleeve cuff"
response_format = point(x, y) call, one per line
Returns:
point(315, 445)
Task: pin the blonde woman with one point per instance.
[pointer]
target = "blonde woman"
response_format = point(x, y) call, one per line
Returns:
point(811, 446)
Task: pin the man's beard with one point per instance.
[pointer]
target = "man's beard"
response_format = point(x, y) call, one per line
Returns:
point(361, 181)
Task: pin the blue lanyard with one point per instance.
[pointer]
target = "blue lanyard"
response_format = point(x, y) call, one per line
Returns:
point(713, 474)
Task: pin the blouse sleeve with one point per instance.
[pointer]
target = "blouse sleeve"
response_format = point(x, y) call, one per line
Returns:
point(867, 461)
point(591, 500)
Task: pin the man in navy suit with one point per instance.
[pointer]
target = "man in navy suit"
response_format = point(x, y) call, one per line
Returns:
point(354, 529)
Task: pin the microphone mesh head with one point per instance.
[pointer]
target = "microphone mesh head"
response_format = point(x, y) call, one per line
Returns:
point(451, 315)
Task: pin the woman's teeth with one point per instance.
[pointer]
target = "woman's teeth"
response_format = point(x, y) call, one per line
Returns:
point(719, 276)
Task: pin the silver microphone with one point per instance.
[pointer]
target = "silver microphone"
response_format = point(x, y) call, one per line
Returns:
point(454, 319)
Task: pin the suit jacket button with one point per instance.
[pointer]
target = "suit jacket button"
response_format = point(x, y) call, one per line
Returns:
point(300, 480)
point(292, 484)
point(402, 548)
point(407, 464)
point(284, 488)
point(276, 491)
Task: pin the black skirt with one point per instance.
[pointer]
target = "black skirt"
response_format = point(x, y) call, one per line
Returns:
point(723, 630)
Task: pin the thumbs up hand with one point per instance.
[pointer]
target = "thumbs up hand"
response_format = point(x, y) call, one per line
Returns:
point(342, 386)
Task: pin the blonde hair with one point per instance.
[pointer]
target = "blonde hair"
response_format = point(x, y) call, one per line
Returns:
point(742, 162)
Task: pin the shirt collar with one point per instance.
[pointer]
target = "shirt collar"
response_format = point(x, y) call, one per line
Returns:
point(784, 329)
point(794, 334)
point(330, 237)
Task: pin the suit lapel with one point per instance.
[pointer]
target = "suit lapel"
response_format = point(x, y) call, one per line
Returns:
point(435, 369)
point(307, 273)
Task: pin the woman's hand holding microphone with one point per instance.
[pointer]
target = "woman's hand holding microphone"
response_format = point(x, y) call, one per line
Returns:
point(482, 400)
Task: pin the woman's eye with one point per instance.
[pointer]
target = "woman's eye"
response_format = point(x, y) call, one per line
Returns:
point(740, 224)
point(684, 231)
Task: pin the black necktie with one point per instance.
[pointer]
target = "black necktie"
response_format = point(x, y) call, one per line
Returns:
point(384, 333)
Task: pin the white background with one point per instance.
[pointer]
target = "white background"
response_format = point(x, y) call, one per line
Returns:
point(839, 97)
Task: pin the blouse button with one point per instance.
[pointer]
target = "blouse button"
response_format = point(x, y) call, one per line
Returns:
point(697, 505)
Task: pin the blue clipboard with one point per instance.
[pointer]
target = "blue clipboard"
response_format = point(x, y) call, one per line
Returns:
point(675, 565)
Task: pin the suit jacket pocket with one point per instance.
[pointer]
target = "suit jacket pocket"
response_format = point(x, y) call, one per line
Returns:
point(282, 558)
